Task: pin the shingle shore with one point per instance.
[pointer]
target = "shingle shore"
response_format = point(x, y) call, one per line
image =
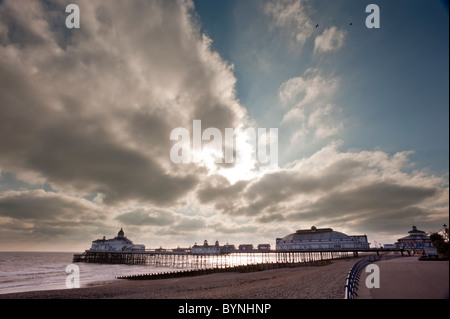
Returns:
point(324, 282)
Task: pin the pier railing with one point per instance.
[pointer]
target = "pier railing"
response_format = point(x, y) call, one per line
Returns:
point(352, 280)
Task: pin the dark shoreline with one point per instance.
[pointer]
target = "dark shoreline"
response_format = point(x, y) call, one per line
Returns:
point(323, 282)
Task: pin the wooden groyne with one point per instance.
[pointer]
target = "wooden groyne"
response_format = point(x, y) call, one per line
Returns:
point(241, 269)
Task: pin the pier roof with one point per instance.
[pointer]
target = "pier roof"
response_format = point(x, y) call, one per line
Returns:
point(322, 234)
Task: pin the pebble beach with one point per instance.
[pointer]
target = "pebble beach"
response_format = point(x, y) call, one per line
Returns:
point(319, 282)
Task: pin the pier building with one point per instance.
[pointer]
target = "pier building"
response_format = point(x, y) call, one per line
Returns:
point(417, 241)
point(320, 239)
point(118, 243)
point(206, 248)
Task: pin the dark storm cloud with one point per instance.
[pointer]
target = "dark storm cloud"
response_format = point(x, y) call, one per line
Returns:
point(369, 190)
point(89, 160)
point(149, 217)
point(376, 198)
point(274, 188)
point(285, 184)
point(47, 206)
point(95, 115)
point(88, 113)
point(186, 224)
point(42, 215)
point(378, 207)
point(218, 188)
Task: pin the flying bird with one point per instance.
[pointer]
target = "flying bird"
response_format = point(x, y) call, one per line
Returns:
point(317, 25)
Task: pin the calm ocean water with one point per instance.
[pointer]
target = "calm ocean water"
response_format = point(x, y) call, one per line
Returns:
point(31, 271)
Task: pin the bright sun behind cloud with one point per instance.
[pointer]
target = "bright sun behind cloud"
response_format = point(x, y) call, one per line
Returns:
point(86, 116)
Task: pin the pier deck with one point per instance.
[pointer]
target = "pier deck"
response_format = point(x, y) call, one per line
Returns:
point(187, 259)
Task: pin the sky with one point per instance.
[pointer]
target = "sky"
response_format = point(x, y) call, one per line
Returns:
point(87, 116)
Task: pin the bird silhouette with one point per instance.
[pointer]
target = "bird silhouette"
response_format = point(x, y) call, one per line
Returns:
point(317, 25)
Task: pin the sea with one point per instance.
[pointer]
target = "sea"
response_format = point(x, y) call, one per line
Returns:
point(33, 271)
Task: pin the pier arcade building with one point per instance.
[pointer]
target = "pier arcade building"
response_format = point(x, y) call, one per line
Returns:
point(118, 243)
point(227, 248)
point(320, 239)
point(417, 241)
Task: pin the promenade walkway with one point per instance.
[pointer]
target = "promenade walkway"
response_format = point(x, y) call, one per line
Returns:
point(408, 278)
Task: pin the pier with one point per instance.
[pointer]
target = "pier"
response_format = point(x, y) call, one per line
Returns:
point(188, 260)
point(313, 247)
